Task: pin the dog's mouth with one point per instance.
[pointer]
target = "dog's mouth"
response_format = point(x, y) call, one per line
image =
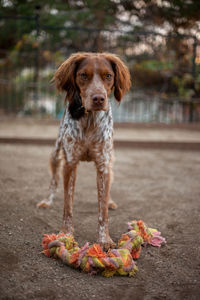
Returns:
point(98, 107)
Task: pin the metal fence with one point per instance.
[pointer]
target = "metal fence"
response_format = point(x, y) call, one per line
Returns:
point(25, 73)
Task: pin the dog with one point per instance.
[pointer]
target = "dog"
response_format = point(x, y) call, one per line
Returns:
point(86, 130)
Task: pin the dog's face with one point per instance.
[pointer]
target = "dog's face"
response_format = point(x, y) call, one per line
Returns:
point(93, 76)
point(95, 80)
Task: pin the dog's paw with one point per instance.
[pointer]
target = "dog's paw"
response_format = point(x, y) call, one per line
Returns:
point(112, 205)
point(67, 227)
point(44, 204)
point(107, 244)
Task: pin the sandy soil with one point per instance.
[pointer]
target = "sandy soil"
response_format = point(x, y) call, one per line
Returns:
point(161, 187)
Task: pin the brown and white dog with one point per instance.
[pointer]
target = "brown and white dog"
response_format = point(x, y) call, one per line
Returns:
point(86, 129)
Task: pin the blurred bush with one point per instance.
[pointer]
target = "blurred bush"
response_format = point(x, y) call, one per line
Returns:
point(150, 73)
point(162, 76)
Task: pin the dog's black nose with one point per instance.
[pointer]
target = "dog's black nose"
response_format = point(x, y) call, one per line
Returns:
point(98, 99)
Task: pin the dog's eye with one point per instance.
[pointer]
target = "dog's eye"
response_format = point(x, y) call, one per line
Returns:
point(108, 76)
point(84, 76)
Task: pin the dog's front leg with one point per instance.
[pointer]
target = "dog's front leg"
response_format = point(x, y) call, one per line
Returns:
point(103, 185)
point(69, 177)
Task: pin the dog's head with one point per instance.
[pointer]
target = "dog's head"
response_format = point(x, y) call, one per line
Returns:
point(89, 78)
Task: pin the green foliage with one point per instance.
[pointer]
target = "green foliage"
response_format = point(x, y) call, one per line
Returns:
point(99, 14)
point(197, 84)
point(157, 65)
point(183, 86)
point(43, 39)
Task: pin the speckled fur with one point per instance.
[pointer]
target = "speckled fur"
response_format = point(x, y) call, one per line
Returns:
point(87, 135)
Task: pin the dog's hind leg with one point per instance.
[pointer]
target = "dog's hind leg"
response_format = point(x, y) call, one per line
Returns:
point(111, 204)
point(54, 162)
point(54, 167)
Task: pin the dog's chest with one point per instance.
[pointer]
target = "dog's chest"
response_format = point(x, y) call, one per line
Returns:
point(88, 138)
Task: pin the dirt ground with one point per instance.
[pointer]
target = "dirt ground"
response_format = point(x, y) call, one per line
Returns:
point(41, 128)
point(161, 187)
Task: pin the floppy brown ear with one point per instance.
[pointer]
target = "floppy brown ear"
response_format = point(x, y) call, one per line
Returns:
point(65, 75)
point(122, 76)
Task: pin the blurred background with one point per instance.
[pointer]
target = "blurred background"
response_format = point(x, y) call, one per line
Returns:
point(156, 140)
point(159, 40)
